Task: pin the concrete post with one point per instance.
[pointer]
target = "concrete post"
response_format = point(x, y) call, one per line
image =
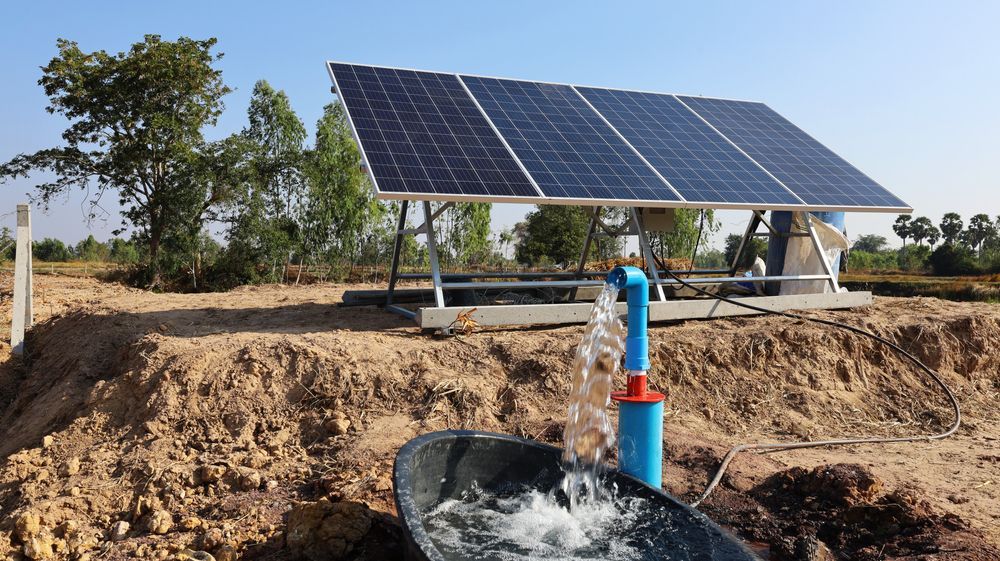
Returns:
point(23, 314)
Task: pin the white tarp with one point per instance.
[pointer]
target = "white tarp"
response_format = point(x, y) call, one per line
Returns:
point(801, 257)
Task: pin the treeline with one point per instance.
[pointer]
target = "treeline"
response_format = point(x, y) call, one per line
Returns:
point(965, 249)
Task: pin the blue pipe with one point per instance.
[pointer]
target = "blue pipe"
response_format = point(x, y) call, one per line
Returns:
point(640, 419)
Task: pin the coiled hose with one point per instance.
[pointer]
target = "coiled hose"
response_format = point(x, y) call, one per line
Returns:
point(817, 443)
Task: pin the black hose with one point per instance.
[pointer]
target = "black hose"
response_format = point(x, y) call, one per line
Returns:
point(838, 442)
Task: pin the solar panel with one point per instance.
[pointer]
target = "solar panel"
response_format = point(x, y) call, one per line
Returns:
point(810, 170)
point(568, 150)
point(697, 161)
point(421, 133)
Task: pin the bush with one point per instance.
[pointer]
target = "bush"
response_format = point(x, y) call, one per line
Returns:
point(913, 258)
point(953, 260)
point(51, 249)
point(859, 260)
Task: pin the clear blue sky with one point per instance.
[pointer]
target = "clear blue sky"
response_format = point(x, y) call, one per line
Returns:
point(907, 91)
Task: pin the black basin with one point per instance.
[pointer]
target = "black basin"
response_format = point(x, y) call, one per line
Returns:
point(436, 467)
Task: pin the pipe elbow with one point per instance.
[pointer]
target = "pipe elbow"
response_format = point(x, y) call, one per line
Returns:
point(633, 281)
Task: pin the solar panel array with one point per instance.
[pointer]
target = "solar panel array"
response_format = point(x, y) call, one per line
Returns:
point(810, 170)
point(695, 159)
point(566, 147)
point(430, 135)
point(421, 133)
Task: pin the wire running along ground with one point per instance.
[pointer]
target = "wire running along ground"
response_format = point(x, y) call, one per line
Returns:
point(777, 446)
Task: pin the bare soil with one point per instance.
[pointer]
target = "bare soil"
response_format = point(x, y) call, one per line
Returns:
point(262, 423)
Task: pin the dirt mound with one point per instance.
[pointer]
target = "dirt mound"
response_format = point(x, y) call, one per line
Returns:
point(243, 424)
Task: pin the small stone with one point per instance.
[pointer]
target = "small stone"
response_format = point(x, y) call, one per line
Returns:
point(190, 523)
point(271, 485)
point(40, 546)
point(27, 525)
point(325, 530)
point(74, 491)
point(250, 481)
point(71, 467)
point(338, 427)
point(47, 441)
point(160, 522)
point(211, 473)
point(212, 539)
point(226, 553)
point(118, 531)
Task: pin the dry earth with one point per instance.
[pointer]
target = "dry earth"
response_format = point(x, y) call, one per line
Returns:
point(262, 423)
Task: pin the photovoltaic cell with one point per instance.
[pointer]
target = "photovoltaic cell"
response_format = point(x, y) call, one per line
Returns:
point(697, 161)
point(567, 148)
point(810, 170)
point(422, 134)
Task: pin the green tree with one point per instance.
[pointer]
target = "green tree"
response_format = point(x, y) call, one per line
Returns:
point(136, 121)
point(265, 213)
point(902, 227)
point(123, 252)
point(951, 227)
point(933, 235)
point(870, 243)
point(556, 232)
point(91, 250)
point(980, 229)
point(339, 210)
point(51, 249)
point(471, 234)
point(920, 229)
point(755, 247)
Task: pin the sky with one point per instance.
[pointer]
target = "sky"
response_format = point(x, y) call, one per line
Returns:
point(905, 90)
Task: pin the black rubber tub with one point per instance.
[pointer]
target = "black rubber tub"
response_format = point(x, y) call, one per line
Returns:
point(436, 467)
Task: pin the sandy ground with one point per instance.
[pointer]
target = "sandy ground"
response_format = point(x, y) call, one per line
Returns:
point(262, 423)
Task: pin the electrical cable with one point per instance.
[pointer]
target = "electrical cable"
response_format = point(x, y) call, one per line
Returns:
point(836, 442)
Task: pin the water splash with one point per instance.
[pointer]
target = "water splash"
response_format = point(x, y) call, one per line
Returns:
point(531, 525)
point(588, 434)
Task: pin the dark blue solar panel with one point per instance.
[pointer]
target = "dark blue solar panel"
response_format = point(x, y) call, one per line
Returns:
point(812, 171)
point(697, 161)
point(565, 146)
point(422, 133)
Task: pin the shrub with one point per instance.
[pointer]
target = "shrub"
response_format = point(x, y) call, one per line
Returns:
point(913, 258)
point(858, 260)
point(953, 260)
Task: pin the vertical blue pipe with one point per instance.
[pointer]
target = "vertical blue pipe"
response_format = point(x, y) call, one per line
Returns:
point(640, 419)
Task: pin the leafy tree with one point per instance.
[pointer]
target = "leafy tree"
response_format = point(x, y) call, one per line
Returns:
point(980, 229)
point(7, 243)
point(91, 250)
point(951, 227)
point(756, 247)
point(136, 121)
point(265, 214)
point(902, 227)
point(933, 235)
point(951, 260)
point(913, 258)
point(339, 209)
point(555, 232)
point(123, 252)
point(870, 243)
point(51, 249)
point(920, 228)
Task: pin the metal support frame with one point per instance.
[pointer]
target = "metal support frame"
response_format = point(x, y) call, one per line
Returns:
point(579, 277)
point(647, 254)
point(820, 252)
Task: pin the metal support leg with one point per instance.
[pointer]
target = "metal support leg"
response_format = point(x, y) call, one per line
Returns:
point(432, 254)
point(820, 252)
point(751, 228)
point(394, 270)
point(647, 253)
point(594, 218)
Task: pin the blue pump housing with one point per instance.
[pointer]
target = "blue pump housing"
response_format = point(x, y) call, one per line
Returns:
point(636, 287)
point(640, 417)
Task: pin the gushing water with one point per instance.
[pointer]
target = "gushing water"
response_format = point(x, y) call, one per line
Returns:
point(588, 434)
